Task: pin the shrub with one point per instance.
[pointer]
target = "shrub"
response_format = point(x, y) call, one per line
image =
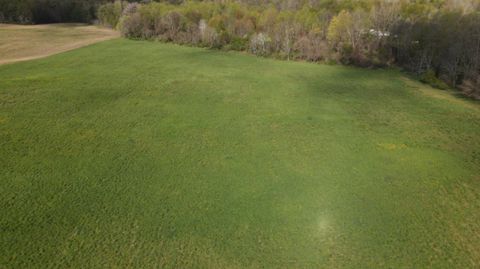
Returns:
point(132, 26)
point(208, 35)
point(429, 78)
point(109, 14)
point(238, 43)
point(311, 48)
point(471, 87)
point(130, 9)
point(174, 23)
point(260, 44)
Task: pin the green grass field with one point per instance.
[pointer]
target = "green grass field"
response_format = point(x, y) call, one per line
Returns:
point(147, 155)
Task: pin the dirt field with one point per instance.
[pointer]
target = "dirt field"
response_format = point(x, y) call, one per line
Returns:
point(27, 42)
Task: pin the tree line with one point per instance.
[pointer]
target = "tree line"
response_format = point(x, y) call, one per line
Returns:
point(438, 40)
point(49, 11)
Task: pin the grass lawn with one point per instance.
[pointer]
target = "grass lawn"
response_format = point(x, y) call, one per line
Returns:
point(141, 154)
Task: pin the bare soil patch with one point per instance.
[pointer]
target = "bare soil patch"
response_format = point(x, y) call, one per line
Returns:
point(27, 42)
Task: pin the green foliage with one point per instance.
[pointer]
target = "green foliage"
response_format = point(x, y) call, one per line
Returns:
point(132, 26)
point(110, 13)
point(347, 35)
point(430, 78)
point(340, 28)
point(238, 43)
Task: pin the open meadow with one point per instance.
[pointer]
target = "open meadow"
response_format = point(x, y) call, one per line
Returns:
point(137, 154)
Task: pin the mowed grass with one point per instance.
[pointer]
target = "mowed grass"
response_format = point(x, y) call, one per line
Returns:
point(27, 42)
point(148, 155)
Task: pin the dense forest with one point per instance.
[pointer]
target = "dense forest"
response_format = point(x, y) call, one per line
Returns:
point(437, 40)
point(49, 11)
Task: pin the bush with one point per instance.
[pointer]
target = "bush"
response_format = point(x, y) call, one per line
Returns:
point(110, 13)
point(471, 87)
point(430, 79)
point(260, 44)
point(132, 26)
point(208, 35)
point(238, 43)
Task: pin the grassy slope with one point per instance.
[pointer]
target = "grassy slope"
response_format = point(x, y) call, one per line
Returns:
point(130, 153)
point(26, 42)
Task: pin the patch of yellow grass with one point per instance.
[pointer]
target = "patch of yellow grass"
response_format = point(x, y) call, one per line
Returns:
point(27, 42)
point(388, 146)
point(439, 94)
